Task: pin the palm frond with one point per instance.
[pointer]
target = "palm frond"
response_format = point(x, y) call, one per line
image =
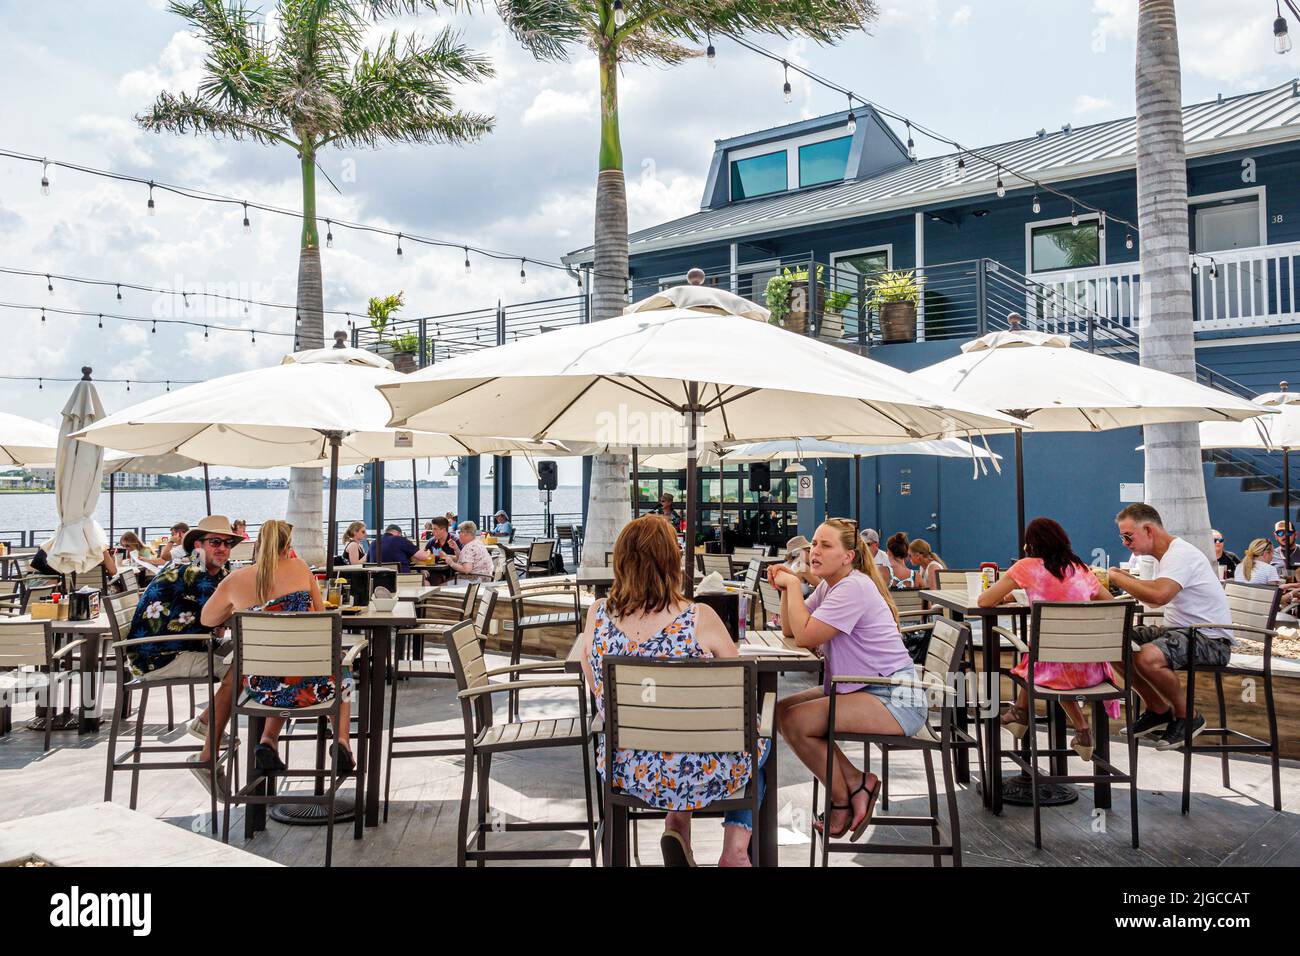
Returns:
point(650, 47)
point(184, 114)
point(548, 28)
point(824, 21)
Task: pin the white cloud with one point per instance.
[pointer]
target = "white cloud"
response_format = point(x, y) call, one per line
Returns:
point(179, 68)
point(961, 16)
point(553, 106)
point(1084, 104)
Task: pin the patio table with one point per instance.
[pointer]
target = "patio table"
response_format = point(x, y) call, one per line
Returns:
point(770, 667)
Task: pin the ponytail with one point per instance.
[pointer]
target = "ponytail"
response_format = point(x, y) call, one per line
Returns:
point(1258, 549)
point(273, 539)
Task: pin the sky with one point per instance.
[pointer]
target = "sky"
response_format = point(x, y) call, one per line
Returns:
point(76, 72)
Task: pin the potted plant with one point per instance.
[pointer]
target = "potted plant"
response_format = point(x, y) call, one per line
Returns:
point(832, 324)
point(894, 296)
point(405, 349)
point(787, 298)
point(382, 310)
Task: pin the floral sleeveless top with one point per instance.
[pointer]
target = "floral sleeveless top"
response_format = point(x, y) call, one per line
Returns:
point(667, 781)
point(288, 691)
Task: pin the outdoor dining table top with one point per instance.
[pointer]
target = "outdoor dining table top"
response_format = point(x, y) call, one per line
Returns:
point(959, 601)
point(402, 615)
point(96, 625)
point(804, 660)
point(416, 594)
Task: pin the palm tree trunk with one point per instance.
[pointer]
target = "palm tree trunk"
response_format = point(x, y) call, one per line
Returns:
point(608, 507)
point(1175, 481)
point(304, 508)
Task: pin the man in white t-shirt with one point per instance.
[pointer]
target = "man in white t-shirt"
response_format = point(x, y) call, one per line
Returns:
point(881, 559)
point(1187, 586)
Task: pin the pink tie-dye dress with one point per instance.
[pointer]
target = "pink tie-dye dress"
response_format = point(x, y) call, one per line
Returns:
point(1079, 584)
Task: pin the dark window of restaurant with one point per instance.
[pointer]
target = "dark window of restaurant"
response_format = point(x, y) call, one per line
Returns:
point(1064, 247)
point(824, 162)
point(758, 175)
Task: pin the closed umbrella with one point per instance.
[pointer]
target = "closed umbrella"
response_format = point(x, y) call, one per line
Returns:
point(1045, 382)
point(25, 442)
point(79, 542)
point(1274, 433)
point(684, 367)
point(316, 407)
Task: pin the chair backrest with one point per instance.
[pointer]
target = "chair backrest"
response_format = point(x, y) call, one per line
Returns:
point(952, 579)
point(25, 643)
point(564, 532)
point(299, 644)
point(119, 610)
point(512, 579)
point(499, 564)
point(471, 594)
point(487, 601)
point(751, 574)
point(35, 593)
point(1254, 605)
point(709, 563)
point(412, 579)
point(1085, 632)
point(466, 653)
point(243, 551)
point(680, 706)
point(540, 551)
point(130, 579)
point(947, 647)
point(770, 596)
point(609, 559)
point(745, 554)
point(906, 599)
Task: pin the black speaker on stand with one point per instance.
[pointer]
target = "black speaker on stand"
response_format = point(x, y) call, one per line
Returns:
point(548, 479)
point(760, 476)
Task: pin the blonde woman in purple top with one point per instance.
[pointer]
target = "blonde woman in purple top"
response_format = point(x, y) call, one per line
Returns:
point(853, 623)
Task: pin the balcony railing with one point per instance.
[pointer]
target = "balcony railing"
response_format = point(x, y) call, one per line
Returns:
point(1236, 289)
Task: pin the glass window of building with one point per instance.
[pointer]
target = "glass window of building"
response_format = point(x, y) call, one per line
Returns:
point(1064, 246)
point(824, 162)
point(758, 175)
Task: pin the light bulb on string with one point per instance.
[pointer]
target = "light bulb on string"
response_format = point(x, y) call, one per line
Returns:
point(119, 293)
point(710, 53)
point(45, 178)
point(1214, 269)
point(399, 243)
point(40, 384)
point(523, 276)
point(185, 297)
point(467, 260)
point(1196, 268)
point(1281, 39)
point(786, 91)
point(329, 235)
point(297, 317)
point(852, 124)
point(101, 320)
point(154, 330)
point(911, 146)
point(1101, 226)
point(1128, 241)
point(128, 385)
point(1001, 189)
point(205, 331)
point(153, 210)
point(169, 388)
point(49, 285)
point(961, 164)
point(1037, 206)
point(620, 15)
point(42, 316)
point(1074, 216)
point(253, 335)
point(248, 227)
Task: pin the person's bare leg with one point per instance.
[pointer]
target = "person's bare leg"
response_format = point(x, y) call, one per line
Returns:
point(1075, 713)
point(221, 701)
point(735, 846)
point(1154, 671)
point(271, 732)
point(343, 731)
point(679, 821)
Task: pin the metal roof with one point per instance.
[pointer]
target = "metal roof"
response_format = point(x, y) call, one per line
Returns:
point(1216, 126)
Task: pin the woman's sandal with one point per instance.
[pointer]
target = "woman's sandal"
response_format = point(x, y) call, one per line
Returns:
point(347, 764)
point(1016, 720)
point(675, 850)
point(819, 821)
point(1082, 743)
point(872, 796)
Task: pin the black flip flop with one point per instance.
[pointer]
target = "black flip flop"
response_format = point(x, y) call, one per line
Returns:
point(347, 764)
point(267, 759)
point(674, 849)
point(872, 796)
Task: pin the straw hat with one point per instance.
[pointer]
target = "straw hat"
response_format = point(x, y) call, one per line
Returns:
point(797, 543)
point(212, 524)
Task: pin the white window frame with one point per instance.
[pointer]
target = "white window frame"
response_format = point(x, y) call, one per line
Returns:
point(887, 248)
point(791, 147)
point(1060, 221)
point(1259, 193)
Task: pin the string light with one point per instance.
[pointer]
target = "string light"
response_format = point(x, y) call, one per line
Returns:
point(154, 330)
point(1128, 241)
point(248, 228)
point(1281, 39)
point(786, 92)
point(153, 210)
point(119, 292)
point(42, 316)
point(399, 243)
point(523, 276)
point(253, 335)
point(49, 285)
point(45, 178)
point(620, 15)
point(710, 53)
point(329, 235)
point(1196, 268)
point(1001, 189)
point(1101, 226)
point(152, 322)
point(1037, 207)
point(911, 146)
point(1074, 216)
point(466, 260)
point(852, 124)
point(40, 380)
point(961, 164)
point(101, 320)
point(185, 297)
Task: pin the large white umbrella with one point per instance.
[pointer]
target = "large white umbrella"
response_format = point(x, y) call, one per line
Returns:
point(678, 374)
point(117, 462)
point(319, 407)
point(1044, 382)
point(1277, 432)
point(25, 442)
point(79, 542)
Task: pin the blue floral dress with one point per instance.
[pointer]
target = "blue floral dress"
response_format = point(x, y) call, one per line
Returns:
point(666, 781)
point(288, 691)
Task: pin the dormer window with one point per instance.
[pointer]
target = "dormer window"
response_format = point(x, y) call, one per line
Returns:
point(809, 160)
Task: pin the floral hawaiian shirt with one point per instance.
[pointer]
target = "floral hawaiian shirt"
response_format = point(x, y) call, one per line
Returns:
point(170, 605)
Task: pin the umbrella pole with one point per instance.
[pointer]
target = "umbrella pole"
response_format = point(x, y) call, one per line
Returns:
point(415, 498)
point(857, 492)
point(1020, 494)
point(207, 489)
point(636, 482)
point(334, 503)
point(379, 511)
point(1286, 504)
point(112, 484)
point(692, 478)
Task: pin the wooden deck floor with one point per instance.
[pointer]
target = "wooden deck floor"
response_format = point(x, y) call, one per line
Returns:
point(1236, 827)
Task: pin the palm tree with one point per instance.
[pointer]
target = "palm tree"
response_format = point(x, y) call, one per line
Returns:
point(1175, 481)
point(312, 85)
point(665, 33)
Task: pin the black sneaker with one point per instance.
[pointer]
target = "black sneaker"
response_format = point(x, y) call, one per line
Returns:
point(1150, 722)
point(267, 759)
point(1173, 737)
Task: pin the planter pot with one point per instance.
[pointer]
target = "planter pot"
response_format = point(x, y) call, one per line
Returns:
point(797, 318)
point(898, 321)
point(832, 325)
point(404, 362)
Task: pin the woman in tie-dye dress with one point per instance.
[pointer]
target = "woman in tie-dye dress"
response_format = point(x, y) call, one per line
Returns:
point(647, 616)
point(1051, 571)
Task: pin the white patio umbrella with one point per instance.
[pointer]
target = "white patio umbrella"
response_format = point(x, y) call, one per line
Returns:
point(26, 442)
point(729, 377)
point(116, 463)
point(1277, 432)
point(1044, 382)
point(318, 407)
point(79, 542)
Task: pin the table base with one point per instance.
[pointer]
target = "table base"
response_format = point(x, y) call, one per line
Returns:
point(1018, 791)
point(61, 722)
point(311, 815)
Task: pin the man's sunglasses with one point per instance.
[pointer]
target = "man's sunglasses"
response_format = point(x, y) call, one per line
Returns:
point(1126, 537)
point(1218, 541)
point(217, 542)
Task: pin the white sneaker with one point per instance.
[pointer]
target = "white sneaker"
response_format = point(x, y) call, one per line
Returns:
point(199, 768)
point(198, 727)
